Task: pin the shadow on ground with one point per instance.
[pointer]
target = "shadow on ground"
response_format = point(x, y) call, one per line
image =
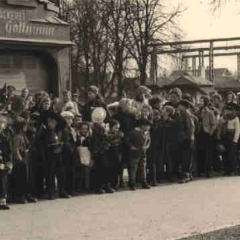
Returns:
point(232, 233)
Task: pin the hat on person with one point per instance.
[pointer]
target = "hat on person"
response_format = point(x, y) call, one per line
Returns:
point(65, 92)
point(176, 91)
point(142, 90)
point(93, 89)
point(10, 87)
point(75, 94)
point(217, 96)
point(206, 100)
point(67, 114)
point(98, 115)
point(52, 115)
point(45, 99)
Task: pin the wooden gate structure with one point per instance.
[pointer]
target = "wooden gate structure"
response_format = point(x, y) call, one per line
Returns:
point(198, 52)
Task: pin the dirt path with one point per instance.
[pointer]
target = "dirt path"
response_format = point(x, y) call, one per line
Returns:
point(165, 212)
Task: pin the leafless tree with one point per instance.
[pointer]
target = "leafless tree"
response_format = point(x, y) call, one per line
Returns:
point(149, 20)
point(109, 32)
point(119, 32)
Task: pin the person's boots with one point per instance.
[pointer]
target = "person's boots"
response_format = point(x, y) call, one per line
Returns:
point(132, 187)
point(3, 204)
point(31, 199)
point(108, 189)
point(145, 185)
point(4, 207)
point(63, 194)
point(185, 178)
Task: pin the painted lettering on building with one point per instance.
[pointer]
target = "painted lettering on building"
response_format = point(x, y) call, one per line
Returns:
point(17, 23)
point(28, 29)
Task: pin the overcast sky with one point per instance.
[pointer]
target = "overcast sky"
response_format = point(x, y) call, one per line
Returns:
point(200, 22)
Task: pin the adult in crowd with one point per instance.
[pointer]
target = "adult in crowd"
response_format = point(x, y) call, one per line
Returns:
point(208, 124)
point(68, 104)
point(94, 99)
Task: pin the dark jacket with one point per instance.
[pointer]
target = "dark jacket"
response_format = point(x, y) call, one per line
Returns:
point(185, 127)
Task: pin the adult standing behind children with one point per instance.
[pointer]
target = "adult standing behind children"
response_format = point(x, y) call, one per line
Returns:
point(94, 99)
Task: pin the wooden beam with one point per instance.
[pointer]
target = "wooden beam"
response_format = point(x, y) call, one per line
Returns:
point(197, 49)
point(195, 41)
point(211, 63)
point(215, 55)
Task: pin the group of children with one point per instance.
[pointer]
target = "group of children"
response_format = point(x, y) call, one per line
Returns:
point(47, 148)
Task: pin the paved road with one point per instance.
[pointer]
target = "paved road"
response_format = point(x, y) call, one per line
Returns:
point(164, 212)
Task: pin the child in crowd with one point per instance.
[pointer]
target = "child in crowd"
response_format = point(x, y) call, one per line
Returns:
point(19, 176)
point(77, 121)
point(5, 165)
point(165, 143)
point(85, 162)
point(69, 153)
point(100, 148)
point(50, 138)
point(153, 152)
point(138, 142)
point(115, 138)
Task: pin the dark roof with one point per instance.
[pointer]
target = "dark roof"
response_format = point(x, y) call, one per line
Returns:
point(218, 72)
point(227, 82)
point(177, 75)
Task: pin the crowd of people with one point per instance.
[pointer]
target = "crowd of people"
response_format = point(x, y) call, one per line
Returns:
point(51, 148)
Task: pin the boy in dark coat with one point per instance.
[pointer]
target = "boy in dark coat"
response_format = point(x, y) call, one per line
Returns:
point(166, 140)
point(115, 138)
point(100, 148)
point(19, 177)
point(69, 152)
point(50, 137)
point(138, 142)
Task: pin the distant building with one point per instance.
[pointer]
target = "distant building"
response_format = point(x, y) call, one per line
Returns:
point(224, 81)
point(196, 86)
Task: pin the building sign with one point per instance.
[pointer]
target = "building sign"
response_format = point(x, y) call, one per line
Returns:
point(21, 23)
point(27, 3)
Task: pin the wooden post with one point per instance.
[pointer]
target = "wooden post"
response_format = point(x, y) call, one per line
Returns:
point(211, 63)
point(194, 66)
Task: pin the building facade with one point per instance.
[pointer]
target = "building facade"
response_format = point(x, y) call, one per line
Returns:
point(35, 46)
